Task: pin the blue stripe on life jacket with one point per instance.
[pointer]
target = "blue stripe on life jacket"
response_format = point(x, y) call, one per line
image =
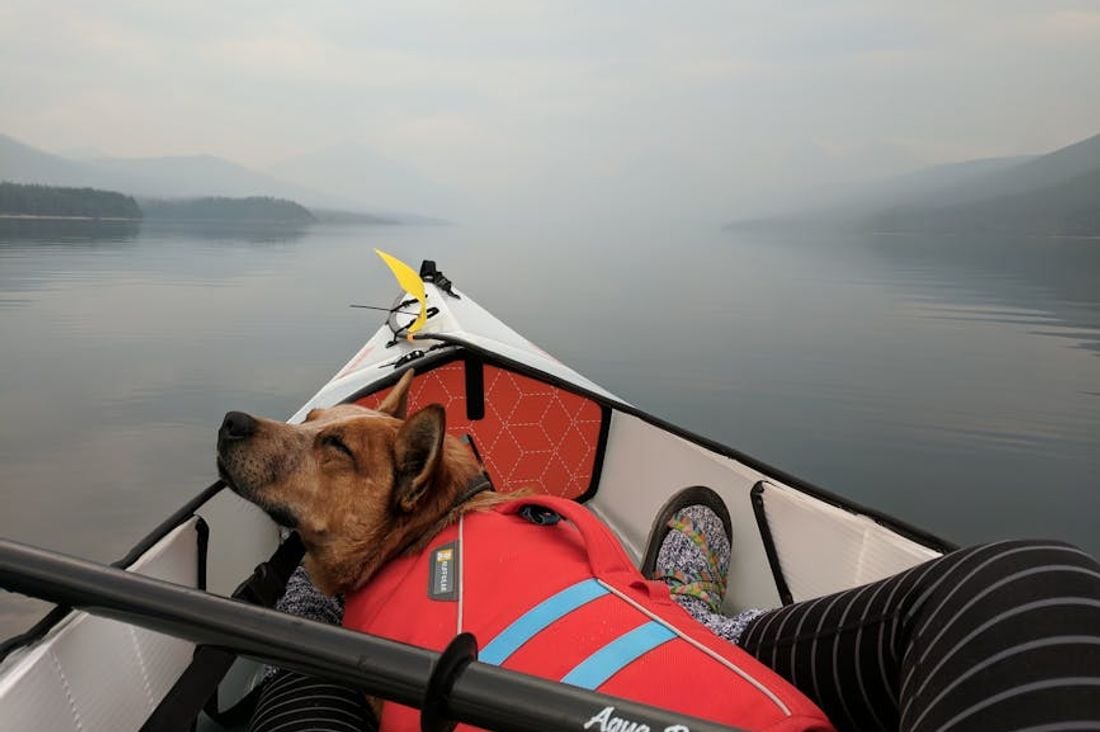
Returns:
point(612, 658)
point(537, 618)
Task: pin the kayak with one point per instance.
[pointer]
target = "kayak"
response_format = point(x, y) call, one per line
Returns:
point(535, 423)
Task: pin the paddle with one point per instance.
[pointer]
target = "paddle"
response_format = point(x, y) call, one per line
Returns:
point(447, 686)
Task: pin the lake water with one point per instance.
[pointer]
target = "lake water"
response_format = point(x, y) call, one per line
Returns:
point(951, 382)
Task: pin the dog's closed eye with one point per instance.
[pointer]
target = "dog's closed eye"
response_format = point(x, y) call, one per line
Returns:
point(336, 444)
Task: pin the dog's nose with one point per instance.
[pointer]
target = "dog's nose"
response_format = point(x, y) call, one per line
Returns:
point(237, 426)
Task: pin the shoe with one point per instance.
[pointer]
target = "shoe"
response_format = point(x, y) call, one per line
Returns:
point(689, 547)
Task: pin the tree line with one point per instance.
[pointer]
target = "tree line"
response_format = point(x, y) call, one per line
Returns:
point(21, 199)
point(39, 200)
point(251, 209)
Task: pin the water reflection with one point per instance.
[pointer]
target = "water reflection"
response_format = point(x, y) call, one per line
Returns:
point(61, 232)
point(66, 231)
point(227, 232)
point(1045, 282)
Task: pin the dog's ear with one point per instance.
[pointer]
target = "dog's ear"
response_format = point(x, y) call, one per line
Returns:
point(397, 400)
point(419, 452)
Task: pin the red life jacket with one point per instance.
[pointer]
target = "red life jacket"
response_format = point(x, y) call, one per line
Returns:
point(563, 601)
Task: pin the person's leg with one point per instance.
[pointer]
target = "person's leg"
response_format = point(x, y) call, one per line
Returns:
point(292, 702)
point(1004, 636)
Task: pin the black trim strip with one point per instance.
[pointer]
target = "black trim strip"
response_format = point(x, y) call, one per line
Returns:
point(900, 527)
point(185, 512)
point(601, 450)
point(36, 631)
point(202, 542)
point(757, 496)
point(475, 387)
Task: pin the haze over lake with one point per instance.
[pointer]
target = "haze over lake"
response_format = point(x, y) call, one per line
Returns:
point(951, 381)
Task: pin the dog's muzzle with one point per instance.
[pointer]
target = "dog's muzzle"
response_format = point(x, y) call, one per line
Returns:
point(235, 427)
point(240, 472)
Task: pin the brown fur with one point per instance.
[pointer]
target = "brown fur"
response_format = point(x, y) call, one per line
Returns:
point(361, 486)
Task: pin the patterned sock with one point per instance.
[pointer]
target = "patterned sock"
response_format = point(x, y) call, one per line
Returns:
point(306, 601)
point(679, 554)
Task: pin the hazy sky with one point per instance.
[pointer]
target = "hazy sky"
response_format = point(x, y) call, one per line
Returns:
point(700, 109)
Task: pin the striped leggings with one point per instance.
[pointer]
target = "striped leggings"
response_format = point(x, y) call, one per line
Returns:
point(1001, 636)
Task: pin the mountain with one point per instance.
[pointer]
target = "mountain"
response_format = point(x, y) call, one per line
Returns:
point(189, 176)
point(82, 153)
point(939, 183)
point(1071, 162)
point(842, 205)
point(21, 163)
point(186, 176)
point(360, 175)
point(1069, 207)
point(1055, 193)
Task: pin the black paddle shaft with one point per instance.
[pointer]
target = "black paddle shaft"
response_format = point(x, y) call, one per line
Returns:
point(479, 694)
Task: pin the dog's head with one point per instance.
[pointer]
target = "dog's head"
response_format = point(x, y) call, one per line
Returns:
point(358, 484)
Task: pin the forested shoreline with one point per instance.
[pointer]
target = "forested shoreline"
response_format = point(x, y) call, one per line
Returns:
point(218, 209)
point(32, 200)
point(35, 201)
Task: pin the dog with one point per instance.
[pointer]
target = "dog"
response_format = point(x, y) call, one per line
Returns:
point(360, 486)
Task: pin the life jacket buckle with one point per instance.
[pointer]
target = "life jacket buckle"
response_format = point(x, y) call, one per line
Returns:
point(539, 515)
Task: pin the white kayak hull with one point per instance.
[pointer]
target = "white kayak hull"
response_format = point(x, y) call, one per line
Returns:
point(537, 423)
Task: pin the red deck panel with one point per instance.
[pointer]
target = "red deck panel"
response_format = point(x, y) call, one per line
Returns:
point(533, 435)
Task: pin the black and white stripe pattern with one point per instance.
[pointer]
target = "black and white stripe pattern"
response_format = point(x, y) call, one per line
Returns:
point(1002, 636)
point(291, 702)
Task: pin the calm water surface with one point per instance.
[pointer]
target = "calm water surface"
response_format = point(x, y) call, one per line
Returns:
point(952, 382)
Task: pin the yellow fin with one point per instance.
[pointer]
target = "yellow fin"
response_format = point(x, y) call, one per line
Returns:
point(409, 281)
